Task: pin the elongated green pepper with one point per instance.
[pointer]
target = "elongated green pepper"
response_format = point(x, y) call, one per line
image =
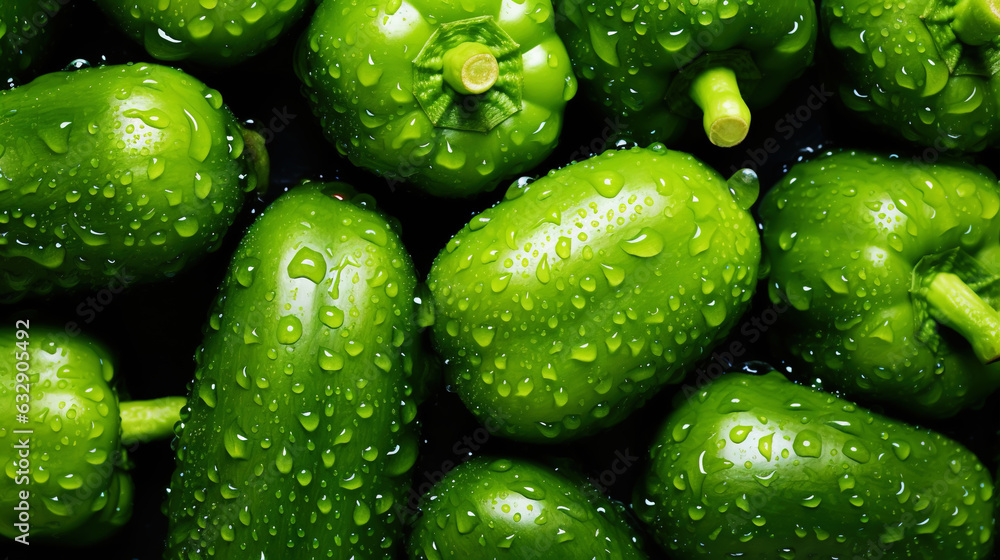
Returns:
point(927, 70)
point(25, 32)
point(500, 508)
point(300, 428)
point(657, 64)
point(564, 307)
point(215, 32)
point(64, 437)
point(121, 171)
point(890, 268)
point(452, 97)
point(758, 467)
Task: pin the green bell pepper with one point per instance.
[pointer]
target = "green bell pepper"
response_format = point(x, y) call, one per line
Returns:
point(564, 307)
point(65, 436)
point(890, 269)
point(300, 429)
point(759, 467)
point(116, 174)
point(500, 508)
point(24, 35)
point(927, 70)
point(452, 97)
point(656, 64)
point(215, 32)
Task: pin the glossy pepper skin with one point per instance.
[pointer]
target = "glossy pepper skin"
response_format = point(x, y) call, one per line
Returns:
point(213, 32)
point(500, 508)
point(923, 69)
point(116, 174)
point(300, 429)
point(564, 307)
point(889, 269)
point(655, 65)
point(75, 472)
point(451, 97)
point(759, 467)
point(24, 35)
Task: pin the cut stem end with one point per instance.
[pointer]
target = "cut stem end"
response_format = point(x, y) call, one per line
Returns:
point(471, 68)
point(727, 118)
point(956, 305)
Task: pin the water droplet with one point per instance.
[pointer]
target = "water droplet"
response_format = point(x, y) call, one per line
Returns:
point(483, 336)
point(607, 184)
point(807, 444)
point(764, 446)
point(309, 421)
point(330, 360)
point(744, 185)
point(361, 514)
point(563, 247)
point(855, 449)
point(331, 316)
point(289, 329)
point(648, 243)
point(186, 226)
point(307, 264)
point(739, 433)
point(235, 442)
point(614, 274)
point(284, 461)
point(245, 270)
point(584, 353)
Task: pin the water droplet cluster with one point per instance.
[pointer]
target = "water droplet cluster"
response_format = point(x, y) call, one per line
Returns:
point(357, 64)
point(777, 470)
point(498, 507)
point(216, 32)
point(905, 70)
point(843, 235)
point(628, 53)
point(120, 171)
point(563, 307)
point(300, 427)
point(78, 488)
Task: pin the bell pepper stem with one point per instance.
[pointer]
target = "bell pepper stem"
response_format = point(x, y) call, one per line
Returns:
point(953, 303)
point(260, 161)
point(977, 22)
point(727, 117)
point(470, 68)
point(150, 420)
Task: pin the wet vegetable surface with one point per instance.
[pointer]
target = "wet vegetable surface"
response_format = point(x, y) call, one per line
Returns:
point(77, 453)
point(214, 32)
point(759, 466)
point(806, 117)
point(117, 175)
point(299, 432)
point(416, 100)
point(657, 64)
point(565, 306)
point(927, 70)
point(888, 268)
point(520, 510)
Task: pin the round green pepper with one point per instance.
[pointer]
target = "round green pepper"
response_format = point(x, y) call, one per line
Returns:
point(216, 32)
point(452, 97)
point(64, 437)
point(560, 310)
point(890, 269)
point(656, 64)
point(926, 70)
